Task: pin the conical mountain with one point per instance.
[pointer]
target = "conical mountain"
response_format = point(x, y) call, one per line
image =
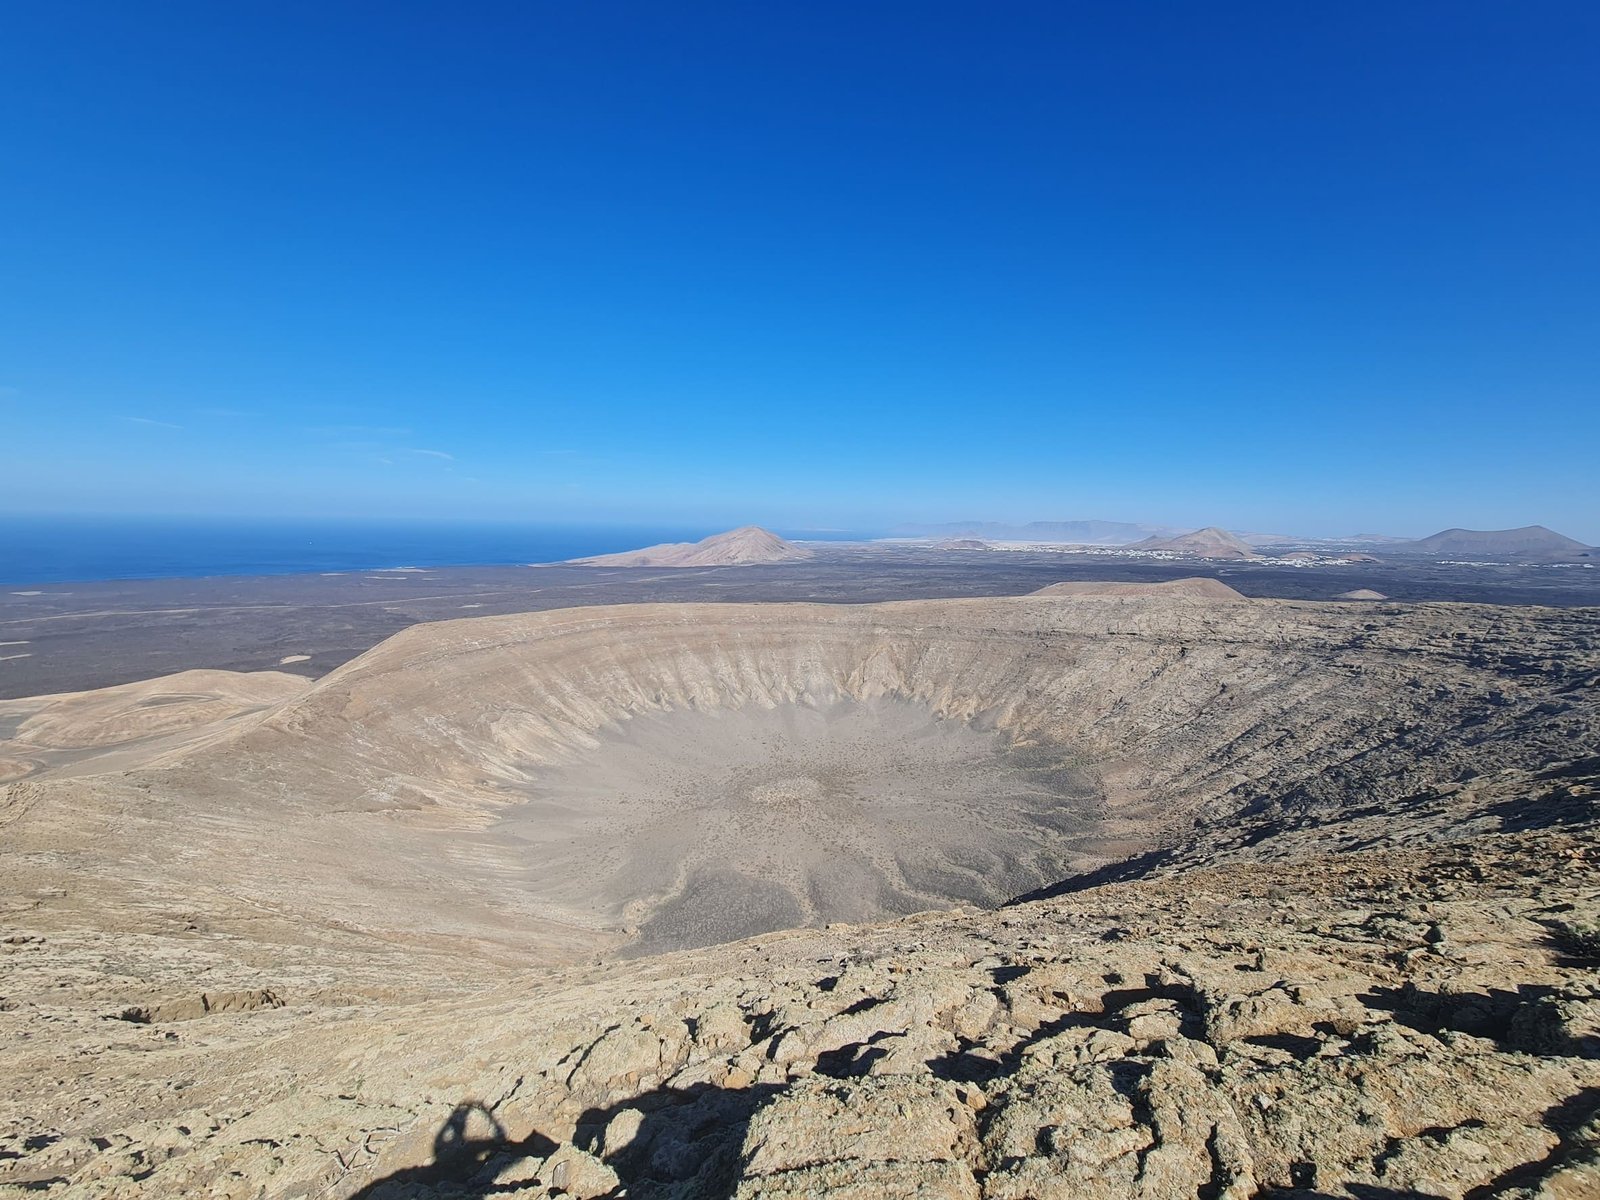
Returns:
point(1210, 542)
point(1530, 541)
point(746, 546)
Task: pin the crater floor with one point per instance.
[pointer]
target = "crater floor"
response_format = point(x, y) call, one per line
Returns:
point(709, 826)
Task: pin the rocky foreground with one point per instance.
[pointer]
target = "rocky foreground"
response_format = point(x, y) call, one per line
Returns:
point(1418, 1017)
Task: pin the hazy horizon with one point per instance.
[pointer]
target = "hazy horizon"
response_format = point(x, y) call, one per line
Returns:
point(687, 529)
point(1289, 270)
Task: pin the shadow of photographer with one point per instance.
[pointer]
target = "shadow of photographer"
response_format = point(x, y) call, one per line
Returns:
point(686, 1141)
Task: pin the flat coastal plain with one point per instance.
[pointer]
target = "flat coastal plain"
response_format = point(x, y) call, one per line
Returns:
point(75, 636)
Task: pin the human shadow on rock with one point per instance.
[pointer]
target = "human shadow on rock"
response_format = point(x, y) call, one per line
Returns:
point(471, 1143)
point(1122, 871)
point(685, 1141)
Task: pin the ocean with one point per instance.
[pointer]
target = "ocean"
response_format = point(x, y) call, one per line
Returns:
point(35, 549)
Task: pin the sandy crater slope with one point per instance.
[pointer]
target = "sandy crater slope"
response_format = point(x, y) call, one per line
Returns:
point(117, 727)
point(1365, 834)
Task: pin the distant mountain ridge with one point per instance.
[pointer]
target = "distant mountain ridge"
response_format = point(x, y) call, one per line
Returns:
point(1533, 543)
point(1072, 533)
point(743, 547)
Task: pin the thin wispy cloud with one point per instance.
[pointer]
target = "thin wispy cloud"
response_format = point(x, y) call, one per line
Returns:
point(151, 422)
point(381, 445)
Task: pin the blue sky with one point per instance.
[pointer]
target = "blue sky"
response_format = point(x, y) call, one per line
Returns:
point(1311, 268)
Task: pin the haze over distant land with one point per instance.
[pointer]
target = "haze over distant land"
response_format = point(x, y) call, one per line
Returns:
point(1531, 542)
point(1085, 533)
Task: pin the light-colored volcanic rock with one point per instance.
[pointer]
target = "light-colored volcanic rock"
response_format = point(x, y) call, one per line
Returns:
point(746, 546)
point(1412, 1019)
point(1210, 542)
point(491, 757)
point(582, 780)
point(1362, 594)
point(1360, 842)
point(1195, 588)
point(118, 727)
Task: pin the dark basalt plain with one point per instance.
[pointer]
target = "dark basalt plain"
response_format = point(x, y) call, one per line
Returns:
point(90, 635)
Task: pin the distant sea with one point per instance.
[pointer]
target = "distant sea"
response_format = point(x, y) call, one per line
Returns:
point(37, 549)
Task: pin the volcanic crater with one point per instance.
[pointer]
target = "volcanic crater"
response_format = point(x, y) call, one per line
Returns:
point(252, 917)
point(663, 776)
